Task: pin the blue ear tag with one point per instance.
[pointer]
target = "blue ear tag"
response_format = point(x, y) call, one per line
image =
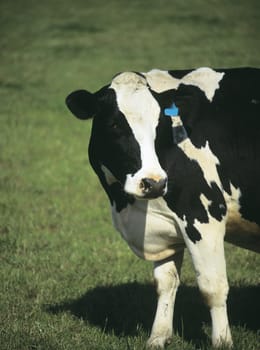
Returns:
point(173, 111)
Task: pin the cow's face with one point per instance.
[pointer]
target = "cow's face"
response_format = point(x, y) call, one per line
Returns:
point(126, 116)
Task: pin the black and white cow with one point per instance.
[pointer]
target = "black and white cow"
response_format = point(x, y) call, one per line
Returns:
point(186, 181)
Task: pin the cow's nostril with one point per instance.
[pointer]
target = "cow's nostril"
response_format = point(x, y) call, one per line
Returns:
point(146, 184)
point(152, 188)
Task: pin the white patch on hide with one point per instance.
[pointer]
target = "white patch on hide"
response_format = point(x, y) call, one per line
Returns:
point(206, 79)
point(160, 80)
point(205, 158)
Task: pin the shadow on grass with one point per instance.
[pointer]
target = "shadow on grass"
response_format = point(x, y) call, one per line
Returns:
point(125, 308)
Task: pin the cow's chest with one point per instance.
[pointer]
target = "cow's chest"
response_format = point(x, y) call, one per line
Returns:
point(150, 228)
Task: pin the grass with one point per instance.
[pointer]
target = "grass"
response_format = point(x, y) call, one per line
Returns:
point(68, 281)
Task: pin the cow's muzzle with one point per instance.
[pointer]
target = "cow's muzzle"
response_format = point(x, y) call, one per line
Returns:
point(153, 189)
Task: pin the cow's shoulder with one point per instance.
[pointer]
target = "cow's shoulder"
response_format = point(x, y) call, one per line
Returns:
point(195, 192)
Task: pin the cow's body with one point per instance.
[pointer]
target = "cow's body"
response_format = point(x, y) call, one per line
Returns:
point(169, 191)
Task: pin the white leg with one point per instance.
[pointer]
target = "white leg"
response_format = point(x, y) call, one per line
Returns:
point(166, 274)
point(210, 266)
point(220, 327)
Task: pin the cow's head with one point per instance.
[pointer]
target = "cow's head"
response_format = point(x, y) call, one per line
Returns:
point(123, 143)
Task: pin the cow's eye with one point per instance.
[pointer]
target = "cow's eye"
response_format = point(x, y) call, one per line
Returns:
point(113, 125)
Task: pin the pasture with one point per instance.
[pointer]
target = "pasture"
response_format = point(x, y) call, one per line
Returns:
point(68, 281)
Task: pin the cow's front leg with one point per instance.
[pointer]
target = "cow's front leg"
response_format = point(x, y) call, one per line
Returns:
point(210, 266)
point(166, 274)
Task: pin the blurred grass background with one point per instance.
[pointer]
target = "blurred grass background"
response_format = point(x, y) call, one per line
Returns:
point(68, 281)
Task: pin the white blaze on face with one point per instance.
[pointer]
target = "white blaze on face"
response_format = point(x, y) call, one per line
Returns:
point(142, 112)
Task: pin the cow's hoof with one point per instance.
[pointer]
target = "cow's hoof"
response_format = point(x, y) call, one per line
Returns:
point(158, 342)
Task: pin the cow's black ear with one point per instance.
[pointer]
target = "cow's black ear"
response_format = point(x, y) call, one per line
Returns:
point(82, 104)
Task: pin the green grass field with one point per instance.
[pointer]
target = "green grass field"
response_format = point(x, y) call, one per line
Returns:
point(68, 281)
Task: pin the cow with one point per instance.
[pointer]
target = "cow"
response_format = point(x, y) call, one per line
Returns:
point(177, 153)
